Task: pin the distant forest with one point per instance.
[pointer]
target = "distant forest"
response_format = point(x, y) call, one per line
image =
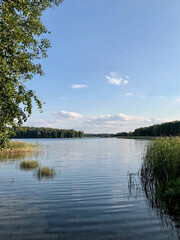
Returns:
point(101, 135)
point(158, 130)
point(33, 132)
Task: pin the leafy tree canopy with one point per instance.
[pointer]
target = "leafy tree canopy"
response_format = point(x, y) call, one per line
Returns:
point(22, 42)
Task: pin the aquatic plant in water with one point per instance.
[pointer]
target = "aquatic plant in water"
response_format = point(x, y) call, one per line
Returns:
point(19, 146)
point(29, 164)
point(45, 172)
point(160, 176)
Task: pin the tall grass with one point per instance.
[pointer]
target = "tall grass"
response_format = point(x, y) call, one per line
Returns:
point(45, 172)
point(29, 164)
point(160, 175)
point(13, 145)
point(19, 146)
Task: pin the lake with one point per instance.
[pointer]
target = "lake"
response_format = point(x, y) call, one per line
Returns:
point(89, 197)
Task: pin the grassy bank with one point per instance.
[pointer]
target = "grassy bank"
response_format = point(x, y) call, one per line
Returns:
point(160, 175)
point(19, 146)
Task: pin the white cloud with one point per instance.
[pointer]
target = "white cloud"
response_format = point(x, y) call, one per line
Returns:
point(118, 123)
point(177, 100)
point(96, 124)
point(76, 86)
point(125, 82)
point(129, 94)
point(115, 79)
point(117, 118)
point(68, 115)
point(40, 123)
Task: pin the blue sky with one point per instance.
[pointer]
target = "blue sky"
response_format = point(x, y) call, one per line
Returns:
point(113, 65)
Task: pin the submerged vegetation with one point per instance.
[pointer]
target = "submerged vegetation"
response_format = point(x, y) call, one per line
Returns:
point(160, 176)
point(46, 172)
point(41, 172)
point(15, 149)
point(29, 164)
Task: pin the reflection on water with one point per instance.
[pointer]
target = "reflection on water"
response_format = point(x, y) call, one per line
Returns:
point(88, 198)
point(168, 221)
point(8, 156)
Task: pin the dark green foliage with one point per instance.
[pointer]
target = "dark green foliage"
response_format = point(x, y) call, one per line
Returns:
point(122, 134)
point(164, 129)
point(22, 42)
point(32, 132)
point(160, 174)
point(158, 130)
point(101, 135)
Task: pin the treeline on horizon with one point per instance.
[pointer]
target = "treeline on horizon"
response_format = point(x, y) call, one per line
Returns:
point(42, 132)
point(102, 135)
point(158, 130)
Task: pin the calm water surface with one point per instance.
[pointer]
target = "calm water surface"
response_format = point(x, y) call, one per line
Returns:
point(88, 198)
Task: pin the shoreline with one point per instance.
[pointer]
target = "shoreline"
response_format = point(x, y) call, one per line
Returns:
point(139, 137)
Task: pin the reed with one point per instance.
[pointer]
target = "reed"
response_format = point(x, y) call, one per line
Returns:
point(160, 174)
point(19, 146)
point(29, 164)
point(45, 172)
